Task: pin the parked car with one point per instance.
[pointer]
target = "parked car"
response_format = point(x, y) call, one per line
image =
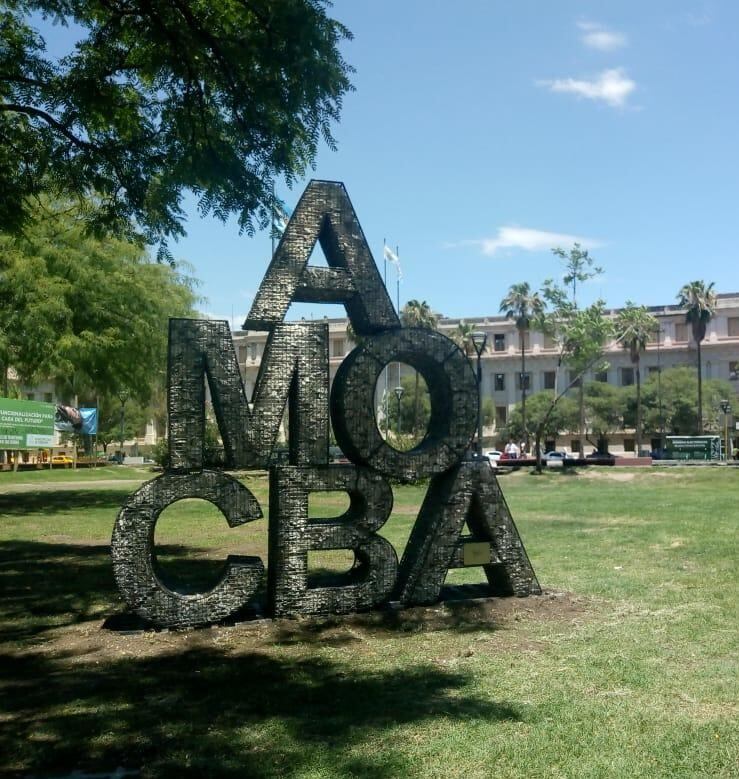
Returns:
point(116, 458)
point(606, 458)
point(556, 456)
point(493, 455)
point(61, 459)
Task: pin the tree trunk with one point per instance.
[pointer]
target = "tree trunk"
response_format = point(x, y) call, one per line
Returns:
point(415, 406)
point(537, 444)
point(523, 387)
point(700, 391)
point(638, 410)
point(581, 405)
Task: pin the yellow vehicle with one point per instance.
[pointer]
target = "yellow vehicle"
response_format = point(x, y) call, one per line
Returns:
point(61, 459)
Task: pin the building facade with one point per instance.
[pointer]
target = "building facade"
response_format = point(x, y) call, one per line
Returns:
point(671, 347)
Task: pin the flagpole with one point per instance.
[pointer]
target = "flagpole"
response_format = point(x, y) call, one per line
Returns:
point(385, 396)
point(398, 283)
point(397, 298)
point(272, 220)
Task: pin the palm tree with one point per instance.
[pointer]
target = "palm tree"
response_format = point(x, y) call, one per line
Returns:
point(462, 336)
point(522, 305)
point(699, 302)
point(418, 314)
point(634, 326)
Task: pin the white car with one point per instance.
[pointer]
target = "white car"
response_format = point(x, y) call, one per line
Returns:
point(556, 456)
point(493, 455)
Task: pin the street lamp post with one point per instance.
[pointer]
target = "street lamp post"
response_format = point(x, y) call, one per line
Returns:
point(659, 392)
point(123, 397)
point(399, 394)
point(479, 339)
point(726, 408)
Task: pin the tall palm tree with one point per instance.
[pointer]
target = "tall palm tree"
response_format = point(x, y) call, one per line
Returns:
point(418, 314)
point(462, 336)
point(522, 305)
point(699, 302)
point(634, 326)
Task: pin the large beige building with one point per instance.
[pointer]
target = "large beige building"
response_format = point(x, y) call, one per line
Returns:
point(501, 362)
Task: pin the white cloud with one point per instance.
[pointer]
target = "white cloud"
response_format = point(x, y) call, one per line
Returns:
point(235, 321)
point(527, 239)
point(596, 36)
point(611, 86)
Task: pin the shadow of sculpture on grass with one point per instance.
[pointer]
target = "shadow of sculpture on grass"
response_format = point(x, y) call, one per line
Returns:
point(178, 714)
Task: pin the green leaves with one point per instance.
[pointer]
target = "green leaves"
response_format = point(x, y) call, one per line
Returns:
point(699, 301)
point(161, 97)
point(91, 315)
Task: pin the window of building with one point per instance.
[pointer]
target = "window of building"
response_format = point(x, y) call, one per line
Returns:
point(525, 380)
point(575, 446)
point(549, 342)
point(499, 382)
point(652, 370)
point(681, 332)
point(48, 397)
point(499, 342)
point(501, 416)
point(252, 352)
point(242, 354)
point(337, 346)
point(629, 444)
point(550, 377)
point(30, 396)
point(734, 370)
point(627, 377)
point(733, 326)
point(526, 341)
point(601, 376)
point(550, 445)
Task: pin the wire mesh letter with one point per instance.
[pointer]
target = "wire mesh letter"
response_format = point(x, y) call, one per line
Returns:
point(292, 535)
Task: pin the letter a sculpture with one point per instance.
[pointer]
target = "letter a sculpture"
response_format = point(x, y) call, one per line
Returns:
point(464, 520)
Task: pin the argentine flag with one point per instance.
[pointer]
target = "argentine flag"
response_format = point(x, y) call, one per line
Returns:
point(390, 256)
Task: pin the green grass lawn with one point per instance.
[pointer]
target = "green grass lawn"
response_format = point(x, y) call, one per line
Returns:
point(627, 666)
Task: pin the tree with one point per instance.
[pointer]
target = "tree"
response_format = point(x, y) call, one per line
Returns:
point(635, 325)
point(699, 301)
point(579, 266)
point(605, 407)
point(667, 404)
point(462, 336)
point(90, 315)
point(412, 412)
point(158, 97)
point(113, 411)
point(563, 417)
point(522, 305)
point(418, 314)
point(581, 335)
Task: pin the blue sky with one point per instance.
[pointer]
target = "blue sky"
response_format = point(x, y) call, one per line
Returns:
point(483, 133)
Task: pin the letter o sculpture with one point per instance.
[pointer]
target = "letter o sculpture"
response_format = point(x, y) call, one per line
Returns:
point(452, 390)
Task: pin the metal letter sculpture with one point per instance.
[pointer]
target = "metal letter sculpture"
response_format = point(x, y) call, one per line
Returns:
point(294, 374)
